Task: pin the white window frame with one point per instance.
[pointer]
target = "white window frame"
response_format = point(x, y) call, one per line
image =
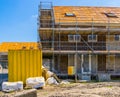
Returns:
point(78, 37)
point(92, 40)
point(69, 14)
point(115, 37)
point(110, 14)
point(69, 39)
point(74, 38)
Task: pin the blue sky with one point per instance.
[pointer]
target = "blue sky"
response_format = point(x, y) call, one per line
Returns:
point(18, 18)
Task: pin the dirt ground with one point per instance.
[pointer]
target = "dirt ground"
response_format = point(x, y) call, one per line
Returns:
point(85, 89)
point(91, 89)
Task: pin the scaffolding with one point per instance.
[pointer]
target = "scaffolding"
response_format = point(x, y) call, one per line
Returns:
point(54, 37)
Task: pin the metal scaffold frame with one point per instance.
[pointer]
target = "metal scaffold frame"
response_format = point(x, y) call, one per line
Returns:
point(76, 28)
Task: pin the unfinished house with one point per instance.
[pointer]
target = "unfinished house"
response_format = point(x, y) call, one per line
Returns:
point(81, 41)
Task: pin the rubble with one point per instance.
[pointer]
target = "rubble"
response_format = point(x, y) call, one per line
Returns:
point(47, 74)
point(51, 81)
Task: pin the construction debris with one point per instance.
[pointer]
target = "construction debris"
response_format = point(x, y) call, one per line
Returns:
point(35, 82)
point(51, 81)
point(12, 86)
point(47, 74)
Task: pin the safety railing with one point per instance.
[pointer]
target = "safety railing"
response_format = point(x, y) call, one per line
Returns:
point(65, 45)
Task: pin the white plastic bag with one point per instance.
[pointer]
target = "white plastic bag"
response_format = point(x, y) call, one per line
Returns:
point(35, 82)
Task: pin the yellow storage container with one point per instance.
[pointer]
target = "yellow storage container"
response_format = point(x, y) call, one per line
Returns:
point(23, 64)
point(71, 70)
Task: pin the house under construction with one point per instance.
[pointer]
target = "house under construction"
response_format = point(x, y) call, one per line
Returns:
point(81, 40)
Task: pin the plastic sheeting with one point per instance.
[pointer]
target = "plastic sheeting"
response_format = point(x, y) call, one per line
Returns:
point(35, 82)
point(12, 86)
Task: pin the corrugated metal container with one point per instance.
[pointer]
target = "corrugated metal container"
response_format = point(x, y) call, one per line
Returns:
point(23, 64)
point(71, 70)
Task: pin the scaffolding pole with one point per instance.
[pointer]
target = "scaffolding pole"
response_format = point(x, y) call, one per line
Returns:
point(53, 36)
point(108, 43)
point(76, 74)
point(59, 48)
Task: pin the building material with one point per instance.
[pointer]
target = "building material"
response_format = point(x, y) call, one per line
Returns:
point(47, 74)
point(12, 86)
point(35, 82)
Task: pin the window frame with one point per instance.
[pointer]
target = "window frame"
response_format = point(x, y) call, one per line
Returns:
point(69, 14)
point(111, 15)
point(118, 37)
point(70, 40)
point(92, 40)
point(78, 40)
point(74, 38)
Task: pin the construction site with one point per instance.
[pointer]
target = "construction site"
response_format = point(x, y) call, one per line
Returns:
point(78, 43)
